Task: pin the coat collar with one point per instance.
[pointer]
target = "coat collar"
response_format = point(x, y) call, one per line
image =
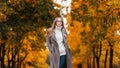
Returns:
point(53, 35)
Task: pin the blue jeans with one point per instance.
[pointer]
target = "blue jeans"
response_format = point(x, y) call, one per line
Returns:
point(62, 61)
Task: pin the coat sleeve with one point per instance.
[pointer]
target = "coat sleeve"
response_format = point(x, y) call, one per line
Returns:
point(65, 33)
point(48, 44)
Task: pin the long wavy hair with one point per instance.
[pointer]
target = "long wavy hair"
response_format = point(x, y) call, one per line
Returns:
point(49, 31)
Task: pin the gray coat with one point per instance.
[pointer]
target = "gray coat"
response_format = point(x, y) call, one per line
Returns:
point(54, 51)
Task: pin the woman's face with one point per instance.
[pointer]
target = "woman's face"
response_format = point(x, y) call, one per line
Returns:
point(59, 22)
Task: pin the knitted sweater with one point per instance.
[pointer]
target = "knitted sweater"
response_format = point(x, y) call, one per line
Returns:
point(59, 38)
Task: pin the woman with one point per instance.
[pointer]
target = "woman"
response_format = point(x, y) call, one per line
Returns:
point(60, 55)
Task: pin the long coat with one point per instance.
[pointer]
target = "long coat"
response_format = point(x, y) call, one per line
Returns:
point(54, 51)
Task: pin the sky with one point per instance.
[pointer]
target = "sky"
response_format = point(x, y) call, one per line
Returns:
point(66, 4)
point(67, 8)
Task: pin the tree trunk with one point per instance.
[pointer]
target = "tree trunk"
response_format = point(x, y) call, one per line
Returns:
point(90, 62)
point(9, 60)
point(8, 64)
point(18, 61)
point(2, 55)
point(88, 65)
point(111, 57)
point(93, 62)
point(20, 64)
point(105, 63)
point(97, 50)
point(13, 58)
point(79, 65)
point(13, 63)
point(97, 61)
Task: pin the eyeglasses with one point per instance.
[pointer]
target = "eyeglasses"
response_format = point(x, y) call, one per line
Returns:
point(58, 21)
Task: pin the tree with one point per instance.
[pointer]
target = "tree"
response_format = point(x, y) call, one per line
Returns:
point(100, 17)
point(19, 21)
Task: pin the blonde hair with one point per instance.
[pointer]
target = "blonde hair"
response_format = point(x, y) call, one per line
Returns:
point(49, 31)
